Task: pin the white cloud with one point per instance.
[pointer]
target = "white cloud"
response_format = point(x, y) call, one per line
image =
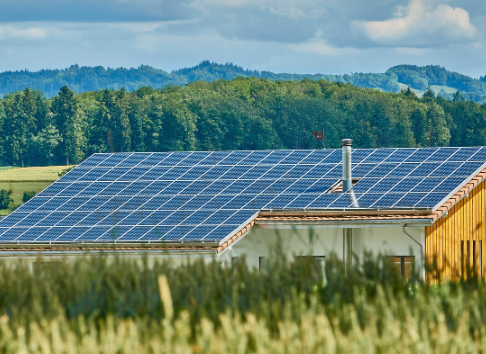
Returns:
point(11, 32)
point(417, 26)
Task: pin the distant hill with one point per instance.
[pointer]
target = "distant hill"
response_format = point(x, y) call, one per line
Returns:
point(443, 82)
point(81, 79)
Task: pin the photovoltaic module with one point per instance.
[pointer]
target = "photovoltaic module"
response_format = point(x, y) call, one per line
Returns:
point(208, 196)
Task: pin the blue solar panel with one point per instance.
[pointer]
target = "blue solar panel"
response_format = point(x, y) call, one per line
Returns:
point(379, 156)
point(280, 185)
point(113, 160)
point(220, 233)
point(406, 184)
point(93, 161)
point(135, 233)
point(467, 169)
point(275, 157)
point(320, 171)
point(157, 233)
point(234, 158)
point(421, 155)
point(302, 201)
point(94, 233)
point(316, 157)
point(260, 201)
point(72, 219)
point(281, 201)
point(387, 200)
point(400, 155)
point(72, 234)
point(51, 218)
point(479, 156)
point(11, 234)
point(198, 217)
point(367, 200)
point(384, 185)
point(410, 200)
point(198, 233)
point(236, 172)
point(217, 202)
point(174, 173)
point(364, 185)
point(219, 217)
point(214, 158)
point(176, 158)
point(321, 186)
point(278, 171)
point(73, 175)
point(254, 158)
point(358, 156)
point(156, 217)
point(195, 173)
point(148, 197)
point(295, 157)
point(442, 154)
point(334, 157)
point(93, 218)
point(153, 174)
point(382, 170)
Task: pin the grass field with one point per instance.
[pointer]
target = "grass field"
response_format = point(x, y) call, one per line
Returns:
point(126, 305)
point(417, 92)
point(447, 89)
point(21, 180)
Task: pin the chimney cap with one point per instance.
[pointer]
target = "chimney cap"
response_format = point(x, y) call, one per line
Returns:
point(347, 142)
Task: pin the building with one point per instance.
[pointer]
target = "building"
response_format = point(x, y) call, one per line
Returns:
point(409, 204)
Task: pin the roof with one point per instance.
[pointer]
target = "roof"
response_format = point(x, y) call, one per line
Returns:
point(208, 197)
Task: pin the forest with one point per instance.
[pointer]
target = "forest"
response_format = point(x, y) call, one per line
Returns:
point(245, 113)
point(80, 79)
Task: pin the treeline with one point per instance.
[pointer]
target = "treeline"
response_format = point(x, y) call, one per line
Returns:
point(81, 79)
point(228, 115)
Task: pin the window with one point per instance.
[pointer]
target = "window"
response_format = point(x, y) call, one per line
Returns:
point(403, 265)
point(261, 263)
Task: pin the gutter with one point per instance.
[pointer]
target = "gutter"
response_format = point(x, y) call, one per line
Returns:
point(399, 222)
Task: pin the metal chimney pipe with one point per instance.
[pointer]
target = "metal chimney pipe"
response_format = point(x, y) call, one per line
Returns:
point(347, 180)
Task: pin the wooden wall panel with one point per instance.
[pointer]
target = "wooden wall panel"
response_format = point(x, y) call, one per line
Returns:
point(463, 226)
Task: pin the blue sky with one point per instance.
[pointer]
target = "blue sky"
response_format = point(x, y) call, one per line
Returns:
point(304, 36)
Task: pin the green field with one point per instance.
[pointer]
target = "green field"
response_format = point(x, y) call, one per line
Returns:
point(20, 180)
point(447, 89)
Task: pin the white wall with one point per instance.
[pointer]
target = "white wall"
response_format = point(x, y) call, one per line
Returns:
point(322, 241)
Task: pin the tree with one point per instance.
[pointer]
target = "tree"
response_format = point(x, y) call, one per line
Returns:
point(5, 199)
point(28, 195)
point(71, 123)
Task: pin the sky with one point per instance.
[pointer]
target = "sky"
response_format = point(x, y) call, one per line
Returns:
point(295, 36)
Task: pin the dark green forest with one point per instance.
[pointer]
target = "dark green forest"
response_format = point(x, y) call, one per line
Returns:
point(81, 79)
point(245, 113)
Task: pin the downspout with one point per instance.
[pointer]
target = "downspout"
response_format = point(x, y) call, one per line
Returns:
point(421, 250)
point(347, 184)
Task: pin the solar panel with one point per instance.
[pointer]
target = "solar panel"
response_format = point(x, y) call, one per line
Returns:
point(204, 196)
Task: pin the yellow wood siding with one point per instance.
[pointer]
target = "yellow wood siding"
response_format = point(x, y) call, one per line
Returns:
point(457, 241)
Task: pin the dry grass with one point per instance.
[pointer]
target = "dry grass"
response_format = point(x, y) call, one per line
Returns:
point(95, 306)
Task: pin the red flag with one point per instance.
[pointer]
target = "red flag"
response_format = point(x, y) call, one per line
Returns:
point(318, 135)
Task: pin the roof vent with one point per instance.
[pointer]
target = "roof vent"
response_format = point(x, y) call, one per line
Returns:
point(347, 179)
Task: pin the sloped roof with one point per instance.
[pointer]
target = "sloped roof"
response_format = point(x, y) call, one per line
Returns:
point(208, 197)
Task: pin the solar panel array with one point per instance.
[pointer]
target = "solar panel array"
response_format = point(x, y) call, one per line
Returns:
point(207, 196)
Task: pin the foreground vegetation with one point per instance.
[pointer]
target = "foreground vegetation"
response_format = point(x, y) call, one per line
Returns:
point(96, 305)
point(240, 114)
